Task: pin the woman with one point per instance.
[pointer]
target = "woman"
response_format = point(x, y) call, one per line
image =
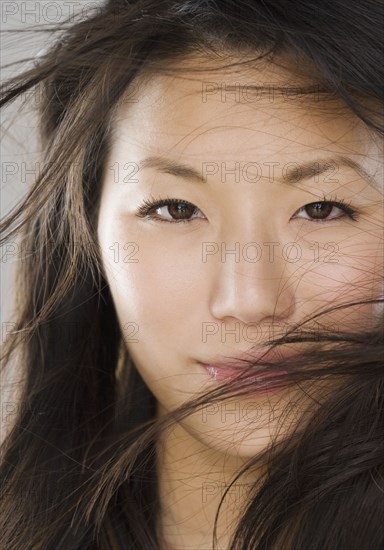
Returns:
point(202, 366)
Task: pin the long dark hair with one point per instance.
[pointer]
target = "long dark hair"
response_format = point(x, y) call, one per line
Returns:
point(78, 468)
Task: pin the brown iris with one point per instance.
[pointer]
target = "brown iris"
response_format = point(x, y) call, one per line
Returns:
point(178, 210)
point(319, 210)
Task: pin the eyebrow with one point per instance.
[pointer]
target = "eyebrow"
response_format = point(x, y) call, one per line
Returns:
point(293, 175)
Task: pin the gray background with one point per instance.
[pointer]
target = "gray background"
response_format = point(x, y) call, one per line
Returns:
point(21, 37)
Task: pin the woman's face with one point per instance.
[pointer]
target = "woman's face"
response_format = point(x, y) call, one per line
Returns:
point(254, 250)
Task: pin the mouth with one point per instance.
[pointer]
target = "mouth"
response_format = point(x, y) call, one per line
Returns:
point(256, 384)
point(262, 384)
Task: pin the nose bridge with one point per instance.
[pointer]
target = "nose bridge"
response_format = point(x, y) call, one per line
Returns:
point(251, 281)
point(253, 248)
point(261, 253)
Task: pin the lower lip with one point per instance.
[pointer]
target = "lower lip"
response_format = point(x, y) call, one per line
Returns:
point(225, 374)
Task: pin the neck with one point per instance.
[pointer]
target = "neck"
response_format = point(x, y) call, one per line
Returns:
point(192, 480)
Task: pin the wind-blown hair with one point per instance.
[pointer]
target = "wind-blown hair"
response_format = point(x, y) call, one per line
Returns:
point(77, 467)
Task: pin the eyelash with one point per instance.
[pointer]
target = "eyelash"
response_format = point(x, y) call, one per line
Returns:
point(144, 210)
point(151, 204)
point(343, 205)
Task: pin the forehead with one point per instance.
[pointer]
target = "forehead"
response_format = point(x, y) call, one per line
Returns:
point(258, 114)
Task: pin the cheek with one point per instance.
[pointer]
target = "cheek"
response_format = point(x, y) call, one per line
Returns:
point(155, 287)
point(145, 316)
point(346, 272)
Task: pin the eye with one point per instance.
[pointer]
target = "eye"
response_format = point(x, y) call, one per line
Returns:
point(168, 210)
point(326, 210)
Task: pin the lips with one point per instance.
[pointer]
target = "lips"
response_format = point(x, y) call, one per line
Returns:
point(259, 387)
point(231, 368)
point(222, 373)
point(241, 361)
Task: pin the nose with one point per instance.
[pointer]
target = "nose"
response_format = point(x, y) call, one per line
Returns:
point(250, 289)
